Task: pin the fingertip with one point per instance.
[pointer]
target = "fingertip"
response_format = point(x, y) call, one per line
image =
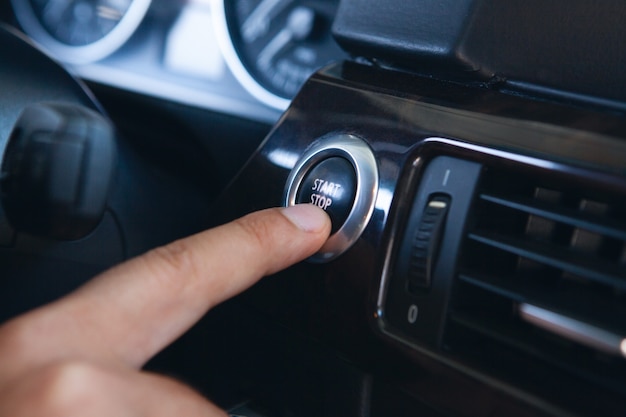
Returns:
point(308, 218)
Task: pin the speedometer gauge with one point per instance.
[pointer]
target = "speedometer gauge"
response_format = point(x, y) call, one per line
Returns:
point(273, 46)
point(80, 31)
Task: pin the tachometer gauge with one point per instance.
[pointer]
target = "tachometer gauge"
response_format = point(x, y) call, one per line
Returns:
point(80, 31)
point(273, 46)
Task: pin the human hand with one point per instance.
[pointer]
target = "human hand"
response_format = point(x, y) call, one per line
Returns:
point(82, 355)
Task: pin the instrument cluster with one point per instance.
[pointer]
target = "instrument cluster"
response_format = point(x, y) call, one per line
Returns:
point(242, 57)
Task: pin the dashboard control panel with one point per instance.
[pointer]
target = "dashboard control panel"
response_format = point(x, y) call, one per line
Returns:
point(496, 227)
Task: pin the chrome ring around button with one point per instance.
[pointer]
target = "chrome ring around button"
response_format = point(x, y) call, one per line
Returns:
point(359, 154)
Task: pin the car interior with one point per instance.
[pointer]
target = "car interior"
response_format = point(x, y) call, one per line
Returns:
point(470, 153)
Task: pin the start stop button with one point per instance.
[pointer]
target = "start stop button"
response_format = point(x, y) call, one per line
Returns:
point(339, 174)
point(330, 185)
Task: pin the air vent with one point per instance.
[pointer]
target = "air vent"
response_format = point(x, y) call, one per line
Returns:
point(540, 292)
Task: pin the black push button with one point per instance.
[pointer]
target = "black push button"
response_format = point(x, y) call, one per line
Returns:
point(331, 185)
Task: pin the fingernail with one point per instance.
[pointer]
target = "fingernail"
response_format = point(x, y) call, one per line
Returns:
point(306, 217)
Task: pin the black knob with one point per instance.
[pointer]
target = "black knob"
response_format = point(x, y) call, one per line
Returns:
point(57, 170)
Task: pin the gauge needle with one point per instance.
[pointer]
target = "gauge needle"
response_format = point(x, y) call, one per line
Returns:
point(258, 23)
point(299, 26)
point(109, 13)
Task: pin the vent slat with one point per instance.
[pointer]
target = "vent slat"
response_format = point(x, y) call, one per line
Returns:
point(512, 291)
point(583, 305)
point(575, 330)
point(556, 257)
point(576, 218)
point(509, 334)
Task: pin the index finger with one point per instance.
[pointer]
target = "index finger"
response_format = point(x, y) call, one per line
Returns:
point(132, 311)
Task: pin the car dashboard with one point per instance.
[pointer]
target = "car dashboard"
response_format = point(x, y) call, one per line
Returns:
point(471, 155)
